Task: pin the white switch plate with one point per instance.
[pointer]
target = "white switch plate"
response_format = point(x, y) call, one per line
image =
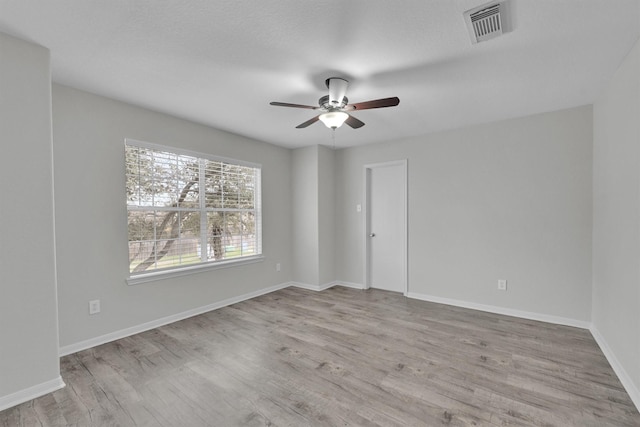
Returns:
point(94, 306)
point(278, 267)
point(502, 285)
point(358, 207)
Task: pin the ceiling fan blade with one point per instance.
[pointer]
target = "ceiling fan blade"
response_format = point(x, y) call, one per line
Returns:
point(308, 122)
point(337, 90)
point(286, 104)
point(354, 123)
point(378, 103)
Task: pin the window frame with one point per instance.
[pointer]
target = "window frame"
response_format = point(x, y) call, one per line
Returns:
point(192, 268)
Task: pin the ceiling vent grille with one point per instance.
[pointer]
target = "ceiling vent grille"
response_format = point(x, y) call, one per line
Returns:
point(486, 22)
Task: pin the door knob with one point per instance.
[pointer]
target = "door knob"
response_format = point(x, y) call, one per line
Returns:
point(372, 235)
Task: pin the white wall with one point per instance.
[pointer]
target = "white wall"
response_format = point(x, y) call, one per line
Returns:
point(28, 318)
point(616, 219)
point(506, 200)
point(91, 218)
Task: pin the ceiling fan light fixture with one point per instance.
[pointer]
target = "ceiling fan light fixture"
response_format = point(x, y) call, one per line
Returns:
point(333, 119)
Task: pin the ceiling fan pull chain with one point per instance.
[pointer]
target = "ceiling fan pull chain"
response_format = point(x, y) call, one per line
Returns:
point(333, 137)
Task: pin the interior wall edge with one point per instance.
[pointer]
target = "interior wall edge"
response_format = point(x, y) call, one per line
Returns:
point(28, 310)
point(30, 393)
point(564, 321)
point(622, 374)
point(350, 285)
point(317, 288)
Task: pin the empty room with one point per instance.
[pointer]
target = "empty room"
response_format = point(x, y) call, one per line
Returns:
point(340, 213)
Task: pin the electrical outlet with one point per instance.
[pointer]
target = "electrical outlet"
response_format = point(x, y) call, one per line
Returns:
point(278, 267)
point(94, 306)
point(502, 285)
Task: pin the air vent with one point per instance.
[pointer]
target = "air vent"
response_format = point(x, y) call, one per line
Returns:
point(487, 21)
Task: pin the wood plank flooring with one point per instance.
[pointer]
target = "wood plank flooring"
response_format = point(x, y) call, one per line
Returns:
point(338, 357)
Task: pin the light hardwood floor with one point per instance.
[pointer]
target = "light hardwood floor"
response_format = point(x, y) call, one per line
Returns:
point(339, 357)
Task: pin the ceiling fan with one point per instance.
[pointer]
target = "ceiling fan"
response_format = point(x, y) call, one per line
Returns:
point(334, 107)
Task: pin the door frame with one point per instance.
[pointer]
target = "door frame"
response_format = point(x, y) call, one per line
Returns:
point(367, 221)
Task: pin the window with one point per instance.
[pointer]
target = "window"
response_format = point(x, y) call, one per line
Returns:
point(187, 209)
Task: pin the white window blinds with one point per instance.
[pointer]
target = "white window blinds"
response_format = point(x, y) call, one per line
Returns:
point(189, 208)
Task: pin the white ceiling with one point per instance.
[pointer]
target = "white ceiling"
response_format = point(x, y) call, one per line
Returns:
point(221, 62)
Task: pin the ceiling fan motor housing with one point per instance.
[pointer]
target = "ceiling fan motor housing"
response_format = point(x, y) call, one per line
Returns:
point(326, 104)
point(337, 91)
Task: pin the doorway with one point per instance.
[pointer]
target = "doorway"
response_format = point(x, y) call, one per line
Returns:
point(386, 226)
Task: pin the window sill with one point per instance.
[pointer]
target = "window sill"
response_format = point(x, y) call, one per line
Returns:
point(186, 271)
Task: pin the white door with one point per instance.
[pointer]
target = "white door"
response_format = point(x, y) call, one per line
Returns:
point(386, 228)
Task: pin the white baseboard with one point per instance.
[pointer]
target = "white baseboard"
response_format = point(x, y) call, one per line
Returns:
point(316, 288)
point(625, 379)
point(29, 393)
point(53, 385)
point(350, 285)
point(501, 310)
point(112, 336)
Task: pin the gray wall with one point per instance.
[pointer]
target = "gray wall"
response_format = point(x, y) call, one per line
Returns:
point(506, 200)
point(304, 185)
point(91, 217)
point(28, 317)
point(616, 216)
point(326, 215)
point(312, 171)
